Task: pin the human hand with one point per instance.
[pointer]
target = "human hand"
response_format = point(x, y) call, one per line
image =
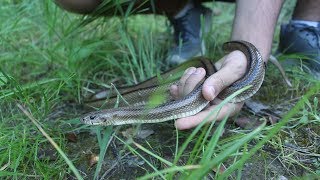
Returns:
point(230, 68)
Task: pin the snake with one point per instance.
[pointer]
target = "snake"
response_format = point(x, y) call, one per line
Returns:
point(136, 109)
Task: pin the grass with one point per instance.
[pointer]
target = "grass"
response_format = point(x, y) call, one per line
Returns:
point(50, 57)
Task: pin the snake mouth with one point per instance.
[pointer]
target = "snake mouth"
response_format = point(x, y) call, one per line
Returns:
point(84, 120)
point(88, 121)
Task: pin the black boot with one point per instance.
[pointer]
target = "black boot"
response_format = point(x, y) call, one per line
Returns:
point(304, 40)
point(187, 34)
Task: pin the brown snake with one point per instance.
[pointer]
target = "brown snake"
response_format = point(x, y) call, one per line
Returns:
point(189, 105)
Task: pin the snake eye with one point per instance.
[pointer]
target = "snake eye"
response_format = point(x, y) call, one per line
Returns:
point(92, 117)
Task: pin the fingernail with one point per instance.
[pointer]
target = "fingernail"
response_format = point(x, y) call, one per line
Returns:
point(198, 71)
point(191, 70)
point(212, 93)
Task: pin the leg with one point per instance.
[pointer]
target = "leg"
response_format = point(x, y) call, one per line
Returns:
point(79, 6)
point(302, 35)
point(140, 6)
point(308, 10)
point(187, 27)
point(255, 22)
point(187, 31)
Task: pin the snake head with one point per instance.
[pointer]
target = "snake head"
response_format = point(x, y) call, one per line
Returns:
point(96, 118)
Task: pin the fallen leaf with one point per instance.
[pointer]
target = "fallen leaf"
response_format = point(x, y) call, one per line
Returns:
point(71, 137)
point(143, 134)
point(128, 133)
point(248, 123)
point(255, 106)
point(93, 159)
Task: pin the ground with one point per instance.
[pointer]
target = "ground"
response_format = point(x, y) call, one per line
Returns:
point(51, 59)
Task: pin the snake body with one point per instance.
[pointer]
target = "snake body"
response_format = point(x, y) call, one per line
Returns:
point(189, 105)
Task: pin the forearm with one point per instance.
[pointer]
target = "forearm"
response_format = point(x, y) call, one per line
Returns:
point(255, 22)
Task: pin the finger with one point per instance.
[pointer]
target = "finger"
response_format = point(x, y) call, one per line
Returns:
point(216, 101)
point(192, 121)
point(174, 91)
point(193, 80)
point(184, 78)
point(233, 69)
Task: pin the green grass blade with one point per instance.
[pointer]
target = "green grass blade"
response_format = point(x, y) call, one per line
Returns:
point(152, 154)
point(197, 129)
point(170, 170)
point(315, 89)
point(55, 145)
point(209, 164)
point(213, 141)
point(103, 144)
point(143, 158)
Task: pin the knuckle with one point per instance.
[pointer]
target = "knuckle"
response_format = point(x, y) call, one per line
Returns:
point(180, 84)
point(190, 81)
point(218, 82)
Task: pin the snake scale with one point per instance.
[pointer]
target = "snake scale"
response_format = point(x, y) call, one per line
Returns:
point(189, 105)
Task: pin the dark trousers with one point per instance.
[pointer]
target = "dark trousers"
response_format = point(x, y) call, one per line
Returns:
point(164, 7)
